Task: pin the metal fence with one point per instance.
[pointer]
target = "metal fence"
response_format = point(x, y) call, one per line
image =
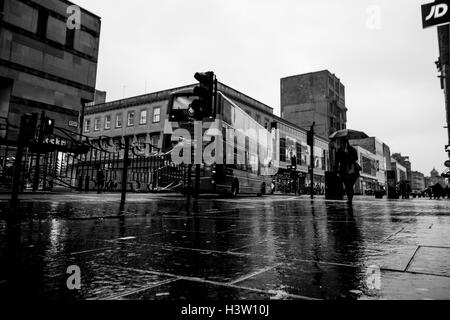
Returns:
point(66, 160)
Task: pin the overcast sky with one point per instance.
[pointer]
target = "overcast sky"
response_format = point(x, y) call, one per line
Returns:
point(392, 89)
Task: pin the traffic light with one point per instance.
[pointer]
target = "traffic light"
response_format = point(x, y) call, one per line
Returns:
point(203, 106)
point(28, 126)
point(49, 125)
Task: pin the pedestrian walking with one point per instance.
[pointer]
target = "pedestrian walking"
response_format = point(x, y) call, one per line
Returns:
point(447, 192)
point(429, 192)
point(273, 187)
point(100, 180)
point(348, 167)
point(408, 190)
point(403, 189)
point(438, 191)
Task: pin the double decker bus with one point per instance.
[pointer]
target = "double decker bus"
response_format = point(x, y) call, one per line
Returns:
point(243, 158)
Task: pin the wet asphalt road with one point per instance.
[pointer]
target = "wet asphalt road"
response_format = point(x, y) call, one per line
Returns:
point(280, 247)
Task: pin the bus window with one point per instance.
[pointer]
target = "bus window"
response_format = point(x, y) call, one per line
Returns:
point(182, 102)
point(227, 113)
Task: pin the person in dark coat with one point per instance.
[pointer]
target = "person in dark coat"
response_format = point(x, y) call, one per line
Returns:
point(408, 190)
point(348, 167)
point(403, 189)
point(447, 192)
point(437, 191)
point(100, 180)
point(429, 192)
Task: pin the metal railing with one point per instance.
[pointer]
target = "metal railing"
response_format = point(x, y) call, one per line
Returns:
point(71, 161)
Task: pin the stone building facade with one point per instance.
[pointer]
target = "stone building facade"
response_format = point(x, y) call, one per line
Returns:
point(400, 171)
point(405, 162)
point(44, 64)
point(314, 97)
point(417, 181)
point(381, 151)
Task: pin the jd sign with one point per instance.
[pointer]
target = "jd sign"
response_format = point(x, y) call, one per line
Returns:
point(435, 13)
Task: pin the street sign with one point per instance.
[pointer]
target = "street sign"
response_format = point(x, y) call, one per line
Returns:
point(447, 163)
point(436, 13)
point(73, 124)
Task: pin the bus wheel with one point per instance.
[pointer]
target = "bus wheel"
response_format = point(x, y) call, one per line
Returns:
point(235, 188)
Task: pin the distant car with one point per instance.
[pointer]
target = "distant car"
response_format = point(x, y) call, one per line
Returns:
point(417, 194)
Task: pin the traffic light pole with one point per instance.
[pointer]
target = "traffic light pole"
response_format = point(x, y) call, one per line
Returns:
point(312, 162)
point(189, 182)
point(215, 103)
point(17, 174)
point(18, 165)
point(197, 181)
point(38, 154)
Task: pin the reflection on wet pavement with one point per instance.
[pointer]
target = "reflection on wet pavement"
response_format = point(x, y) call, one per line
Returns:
point(161, 248)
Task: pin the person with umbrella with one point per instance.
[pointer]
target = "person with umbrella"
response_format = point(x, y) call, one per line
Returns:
point(347, 159)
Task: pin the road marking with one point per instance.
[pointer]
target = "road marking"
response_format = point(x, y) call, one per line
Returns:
point(254, 274)
point(129, 293)
point(127, 238)
point(200, 280)
point(412, 259)
point(89, 251)
point(394, 234)
point(253, 244)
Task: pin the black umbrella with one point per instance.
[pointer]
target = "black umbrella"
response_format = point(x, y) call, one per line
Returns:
point(349, 134)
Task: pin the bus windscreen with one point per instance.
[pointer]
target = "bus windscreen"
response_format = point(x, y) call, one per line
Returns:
point(182, 102)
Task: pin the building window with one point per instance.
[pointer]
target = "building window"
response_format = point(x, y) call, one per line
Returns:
point(298, 148)
point(119, 120)
point(42, 22)
point(332, 123)
point(141, 140)
point(154, 140)
point(283, 149)
point(130, 119)
point(87, 125)
point(331, 93)
point(143, 117)
point(70, 38)
point(157, 115)
point(108, 122)
point(97, 124)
